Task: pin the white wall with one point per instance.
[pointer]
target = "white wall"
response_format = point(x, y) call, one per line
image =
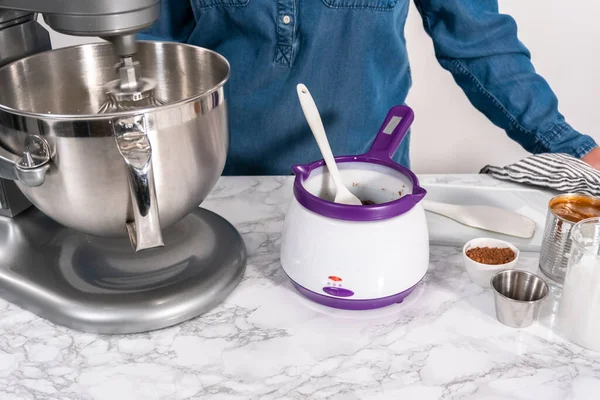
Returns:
point(563, 39)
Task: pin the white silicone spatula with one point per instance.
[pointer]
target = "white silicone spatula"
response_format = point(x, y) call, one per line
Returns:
point(485, 217)
point(342, 194)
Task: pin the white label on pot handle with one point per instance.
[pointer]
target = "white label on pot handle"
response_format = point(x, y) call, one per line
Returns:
point(389, 128)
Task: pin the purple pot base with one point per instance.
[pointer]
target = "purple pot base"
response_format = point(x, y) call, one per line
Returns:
point(347, 304)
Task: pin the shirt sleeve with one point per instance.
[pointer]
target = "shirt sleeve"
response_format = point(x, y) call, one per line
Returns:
point(175, 24)
point(481, 49)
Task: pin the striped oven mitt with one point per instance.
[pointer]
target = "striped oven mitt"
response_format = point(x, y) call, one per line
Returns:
point(555, 171)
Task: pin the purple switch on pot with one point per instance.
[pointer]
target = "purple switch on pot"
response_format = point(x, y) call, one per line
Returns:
point(338, 291)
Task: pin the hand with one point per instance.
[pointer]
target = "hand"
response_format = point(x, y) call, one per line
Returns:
point(593, 158)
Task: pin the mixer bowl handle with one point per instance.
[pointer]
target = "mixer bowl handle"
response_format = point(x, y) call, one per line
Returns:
point(29, 169)
point(392, 132)
point(134, 145)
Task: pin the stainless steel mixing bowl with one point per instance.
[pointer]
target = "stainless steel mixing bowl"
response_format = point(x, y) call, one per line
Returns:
point(103, 174)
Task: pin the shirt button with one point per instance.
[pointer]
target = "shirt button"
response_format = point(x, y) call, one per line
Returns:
point(286, 19)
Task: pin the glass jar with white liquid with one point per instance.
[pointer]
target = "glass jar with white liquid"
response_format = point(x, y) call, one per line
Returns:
point(579, 312)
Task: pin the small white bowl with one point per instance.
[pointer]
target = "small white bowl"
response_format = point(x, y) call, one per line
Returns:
point(481, 274)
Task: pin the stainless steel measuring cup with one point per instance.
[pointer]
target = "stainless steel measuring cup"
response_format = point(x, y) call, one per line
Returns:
point(518, 296)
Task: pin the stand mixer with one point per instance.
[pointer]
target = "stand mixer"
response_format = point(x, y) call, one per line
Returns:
point(115, 144)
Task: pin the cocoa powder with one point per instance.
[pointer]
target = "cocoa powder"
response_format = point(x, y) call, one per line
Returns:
point(491, 255)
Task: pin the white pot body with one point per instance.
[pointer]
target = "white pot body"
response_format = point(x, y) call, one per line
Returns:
point(373, 259)
point(366, 260)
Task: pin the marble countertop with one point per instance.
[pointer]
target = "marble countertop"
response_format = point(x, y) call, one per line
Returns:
point(267, 342)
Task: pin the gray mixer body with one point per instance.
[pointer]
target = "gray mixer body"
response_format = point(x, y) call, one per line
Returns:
point(92, 283)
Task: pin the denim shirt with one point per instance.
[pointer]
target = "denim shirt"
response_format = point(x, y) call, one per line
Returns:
point(351, 54)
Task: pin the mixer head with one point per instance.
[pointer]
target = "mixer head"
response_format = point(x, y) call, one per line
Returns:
point(91, 17)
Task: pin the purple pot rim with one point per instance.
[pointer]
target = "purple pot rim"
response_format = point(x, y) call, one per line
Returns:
point(345, 212)
point(354, 304)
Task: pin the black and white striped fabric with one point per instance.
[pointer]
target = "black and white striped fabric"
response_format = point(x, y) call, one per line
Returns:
point(555, 171)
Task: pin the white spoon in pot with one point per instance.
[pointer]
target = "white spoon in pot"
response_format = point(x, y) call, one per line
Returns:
point(342, 194)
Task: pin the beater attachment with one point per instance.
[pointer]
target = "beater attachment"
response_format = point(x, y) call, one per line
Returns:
point(131, 91)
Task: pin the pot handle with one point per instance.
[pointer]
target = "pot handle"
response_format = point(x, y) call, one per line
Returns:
point(392, 132)
point(134, 145)
point(31, 168)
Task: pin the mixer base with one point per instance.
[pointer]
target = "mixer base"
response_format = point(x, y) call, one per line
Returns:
point(100, 285)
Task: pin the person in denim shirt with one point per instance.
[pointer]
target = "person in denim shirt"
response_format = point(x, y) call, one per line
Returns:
point(351, 54)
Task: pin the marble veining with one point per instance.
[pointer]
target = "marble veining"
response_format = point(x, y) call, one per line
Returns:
point(267, 342)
